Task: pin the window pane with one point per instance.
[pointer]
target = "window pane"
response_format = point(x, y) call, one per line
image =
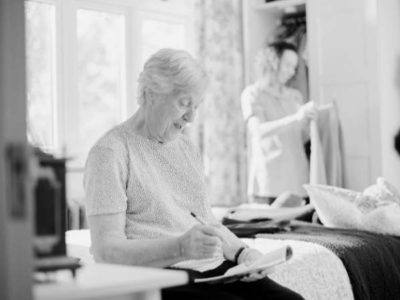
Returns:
point(157, 34)
point(101, 74)
point(41, 76)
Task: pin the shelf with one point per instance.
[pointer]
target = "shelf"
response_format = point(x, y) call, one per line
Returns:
point(279, 4)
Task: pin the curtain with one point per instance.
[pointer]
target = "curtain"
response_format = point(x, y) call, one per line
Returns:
point(220, 129)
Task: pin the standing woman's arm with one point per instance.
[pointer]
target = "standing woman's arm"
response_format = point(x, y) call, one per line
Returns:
point(260, 128)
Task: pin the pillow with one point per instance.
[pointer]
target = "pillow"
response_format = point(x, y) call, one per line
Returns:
point(384, 219)
point(390, 189)
point(383, 192)
point(336, 207)
point(376, 209)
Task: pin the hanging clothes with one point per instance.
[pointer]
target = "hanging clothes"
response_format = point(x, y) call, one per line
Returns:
point(317, 163)
point(290, 24)
point(293, 29)
point(326, 164)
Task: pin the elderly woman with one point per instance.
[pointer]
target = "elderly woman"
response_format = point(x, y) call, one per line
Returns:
point(144, 178)
point(276, 119)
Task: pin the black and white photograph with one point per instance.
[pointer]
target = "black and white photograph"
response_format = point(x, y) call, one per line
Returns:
point(199, 150)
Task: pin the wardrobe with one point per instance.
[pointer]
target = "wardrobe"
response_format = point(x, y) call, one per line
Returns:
point(353, 59)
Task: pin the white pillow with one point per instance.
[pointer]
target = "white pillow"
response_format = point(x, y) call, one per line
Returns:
point(383, 192)
point(384, 219)
point(336, 207)
point(390, 189)
point(377, 209)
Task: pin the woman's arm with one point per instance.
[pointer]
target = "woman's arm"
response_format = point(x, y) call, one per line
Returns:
point(266, 129)
point(253, 112)
point(231, 244)
point(109, 244)
point(305, 113)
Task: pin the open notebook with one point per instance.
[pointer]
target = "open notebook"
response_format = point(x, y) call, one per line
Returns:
point(263, 264)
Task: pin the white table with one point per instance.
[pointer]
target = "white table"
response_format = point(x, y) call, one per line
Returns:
point(107, 281)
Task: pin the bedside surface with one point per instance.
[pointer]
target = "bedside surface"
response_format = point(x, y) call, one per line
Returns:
point(107, 281)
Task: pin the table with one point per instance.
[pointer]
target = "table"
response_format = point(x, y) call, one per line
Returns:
point(109, 281)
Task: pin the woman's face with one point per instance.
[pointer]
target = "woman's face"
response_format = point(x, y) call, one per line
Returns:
point(169, 114)
point(287, 66)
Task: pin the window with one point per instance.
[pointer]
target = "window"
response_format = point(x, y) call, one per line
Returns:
point(83, 59)
point(101, 76)
point(161, 33)
point(41, 75)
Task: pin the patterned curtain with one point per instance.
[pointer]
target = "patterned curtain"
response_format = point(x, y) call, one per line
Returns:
point(220, 130)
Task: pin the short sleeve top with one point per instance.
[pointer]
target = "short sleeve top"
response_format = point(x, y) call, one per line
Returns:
point(155, 185)
point(278, 162)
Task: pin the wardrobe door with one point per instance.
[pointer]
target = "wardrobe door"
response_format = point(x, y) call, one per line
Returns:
point(16, 253)
point(342, 49)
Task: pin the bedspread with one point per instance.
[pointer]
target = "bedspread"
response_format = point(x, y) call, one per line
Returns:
point(314, 271)
point(372, 260)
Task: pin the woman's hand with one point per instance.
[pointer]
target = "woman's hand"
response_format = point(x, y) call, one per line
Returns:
point(307, 111)
point(248, 257)
point(200, 242)
point(230, 243)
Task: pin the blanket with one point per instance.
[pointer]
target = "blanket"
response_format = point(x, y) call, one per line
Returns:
point(371, 260)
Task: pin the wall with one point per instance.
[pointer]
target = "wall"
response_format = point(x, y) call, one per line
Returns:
point(389, 85)
point(343, 67)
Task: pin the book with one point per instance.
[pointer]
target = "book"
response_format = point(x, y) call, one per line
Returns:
point(265, 263)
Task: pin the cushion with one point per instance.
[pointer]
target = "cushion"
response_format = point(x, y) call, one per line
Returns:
point(384, 219)
point(383, 191)
point(376, 209)
point(336, 207)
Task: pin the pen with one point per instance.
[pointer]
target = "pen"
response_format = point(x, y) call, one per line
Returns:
point(198, 219)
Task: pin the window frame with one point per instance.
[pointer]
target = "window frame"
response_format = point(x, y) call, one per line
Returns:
point(69, 50)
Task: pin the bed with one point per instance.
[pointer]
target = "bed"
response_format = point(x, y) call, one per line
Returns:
point(371, 261)
point(311, 271)
point(327, 263)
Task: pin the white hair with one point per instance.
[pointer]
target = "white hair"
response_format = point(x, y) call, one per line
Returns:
point(171, 71)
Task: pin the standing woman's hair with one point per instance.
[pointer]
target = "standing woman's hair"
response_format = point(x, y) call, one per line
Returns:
point(267, 59)
point(171, 71)
point(280, 47)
